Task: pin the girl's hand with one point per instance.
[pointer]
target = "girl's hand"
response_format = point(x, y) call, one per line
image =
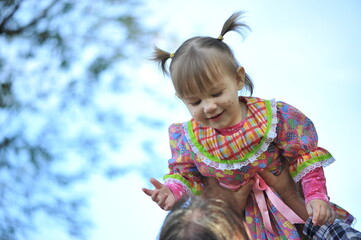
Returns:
point(320, 211)
point(162, 195)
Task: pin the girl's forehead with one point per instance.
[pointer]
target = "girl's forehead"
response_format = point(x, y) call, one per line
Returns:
point(193, 78)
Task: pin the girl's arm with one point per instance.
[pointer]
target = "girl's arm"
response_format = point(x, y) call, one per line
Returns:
point(298, 141)
point(183, 177)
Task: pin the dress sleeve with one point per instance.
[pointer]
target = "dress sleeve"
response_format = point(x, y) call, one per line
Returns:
point(184, 177)
point(298, 142)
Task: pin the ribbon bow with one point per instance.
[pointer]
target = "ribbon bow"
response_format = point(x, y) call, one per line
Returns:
point(259, 187)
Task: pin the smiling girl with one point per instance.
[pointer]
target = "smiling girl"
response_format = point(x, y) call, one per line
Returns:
point(231, 138)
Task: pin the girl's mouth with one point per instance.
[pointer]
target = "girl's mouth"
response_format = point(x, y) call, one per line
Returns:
point(216, 117)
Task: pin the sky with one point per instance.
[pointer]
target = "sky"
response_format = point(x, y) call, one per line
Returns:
point(305, 53)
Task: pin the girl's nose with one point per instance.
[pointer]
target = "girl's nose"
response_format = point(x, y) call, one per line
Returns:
point(209, 106)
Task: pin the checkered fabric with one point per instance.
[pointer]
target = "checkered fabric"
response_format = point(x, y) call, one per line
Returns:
point(235, 146)
point(339, 230)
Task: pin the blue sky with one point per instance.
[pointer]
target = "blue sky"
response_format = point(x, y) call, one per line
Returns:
point(306, 53)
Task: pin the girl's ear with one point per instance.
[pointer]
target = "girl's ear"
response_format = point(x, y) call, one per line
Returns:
point(241, 77)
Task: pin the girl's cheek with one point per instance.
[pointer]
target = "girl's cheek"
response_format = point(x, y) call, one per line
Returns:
point(194, 114)
point(227, 103)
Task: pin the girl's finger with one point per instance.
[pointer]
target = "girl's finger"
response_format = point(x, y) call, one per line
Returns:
point(324, 216)
point(309, 210)
point(156, 183)
point(161, 200)
point(155, 195)
point(315, 217)
point(147, 191)
point(333, 217)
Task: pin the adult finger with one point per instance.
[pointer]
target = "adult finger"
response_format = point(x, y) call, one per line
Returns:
point(268, 176)
point(242, 195)
point(156, 183)
point(209, 181)
point(246, 189)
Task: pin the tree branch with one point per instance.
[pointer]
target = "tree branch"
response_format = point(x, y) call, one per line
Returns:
point(6, 19)
point(42, 15)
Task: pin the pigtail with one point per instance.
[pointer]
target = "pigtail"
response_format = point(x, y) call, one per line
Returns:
point(233, 23)
point(160, 56)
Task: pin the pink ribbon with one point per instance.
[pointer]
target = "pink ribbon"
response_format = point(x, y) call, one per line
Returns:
point(259, 188)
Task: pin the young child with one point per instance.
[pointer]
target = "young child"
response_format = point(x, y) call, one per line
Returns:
point(231, 138)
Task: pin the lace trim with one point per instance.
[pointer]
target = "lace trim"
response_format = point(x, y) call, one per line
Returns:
point(312, 167)
point(176, 181)
point(237, 165)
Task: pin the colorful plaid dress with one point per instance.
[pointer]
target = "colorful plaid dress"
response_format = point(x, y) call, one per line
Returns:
point(271, 133)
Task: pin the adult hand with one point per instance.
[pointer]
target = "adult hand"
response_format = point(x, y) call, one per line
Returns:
point(162, 195)
point(236, 199)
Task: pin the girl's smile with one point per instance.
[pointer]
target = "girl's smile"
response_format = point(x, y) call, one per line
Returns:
point(216, 117)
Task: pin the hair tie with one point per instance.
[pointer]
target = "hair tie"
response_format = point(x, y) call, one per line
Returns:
point(220, 37)
point(171, 55)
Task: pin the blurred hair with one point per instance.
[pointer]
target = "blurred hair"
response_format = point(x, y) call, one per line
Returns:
point(200, 62)
point(200, 218)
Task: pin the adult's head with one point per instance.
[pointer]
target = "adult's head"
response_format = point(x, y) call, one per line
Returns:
point(216, 215)
point(201, 218)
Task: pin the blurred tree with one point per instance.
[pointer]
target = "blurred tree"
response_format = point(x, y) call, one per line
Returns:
point(57, 59)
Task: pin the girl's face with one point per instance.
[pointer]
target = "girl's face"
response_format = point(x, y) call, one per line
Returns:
point(218, 106)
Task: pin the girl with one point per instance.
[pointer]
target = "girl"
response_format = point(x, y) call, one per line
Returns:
point(231, 138)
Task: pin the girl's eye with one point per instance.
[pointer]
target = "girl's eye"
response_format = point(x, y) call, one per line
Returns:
point(217, 94)
point(196, 103)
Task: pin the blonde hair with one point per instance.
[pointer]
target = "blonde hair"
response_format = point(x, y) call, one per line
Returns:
point(200, 218)
point(200, 62)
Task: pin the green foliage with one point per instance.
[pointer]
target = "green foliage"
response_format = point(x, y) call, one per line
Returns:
point(55, 56)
